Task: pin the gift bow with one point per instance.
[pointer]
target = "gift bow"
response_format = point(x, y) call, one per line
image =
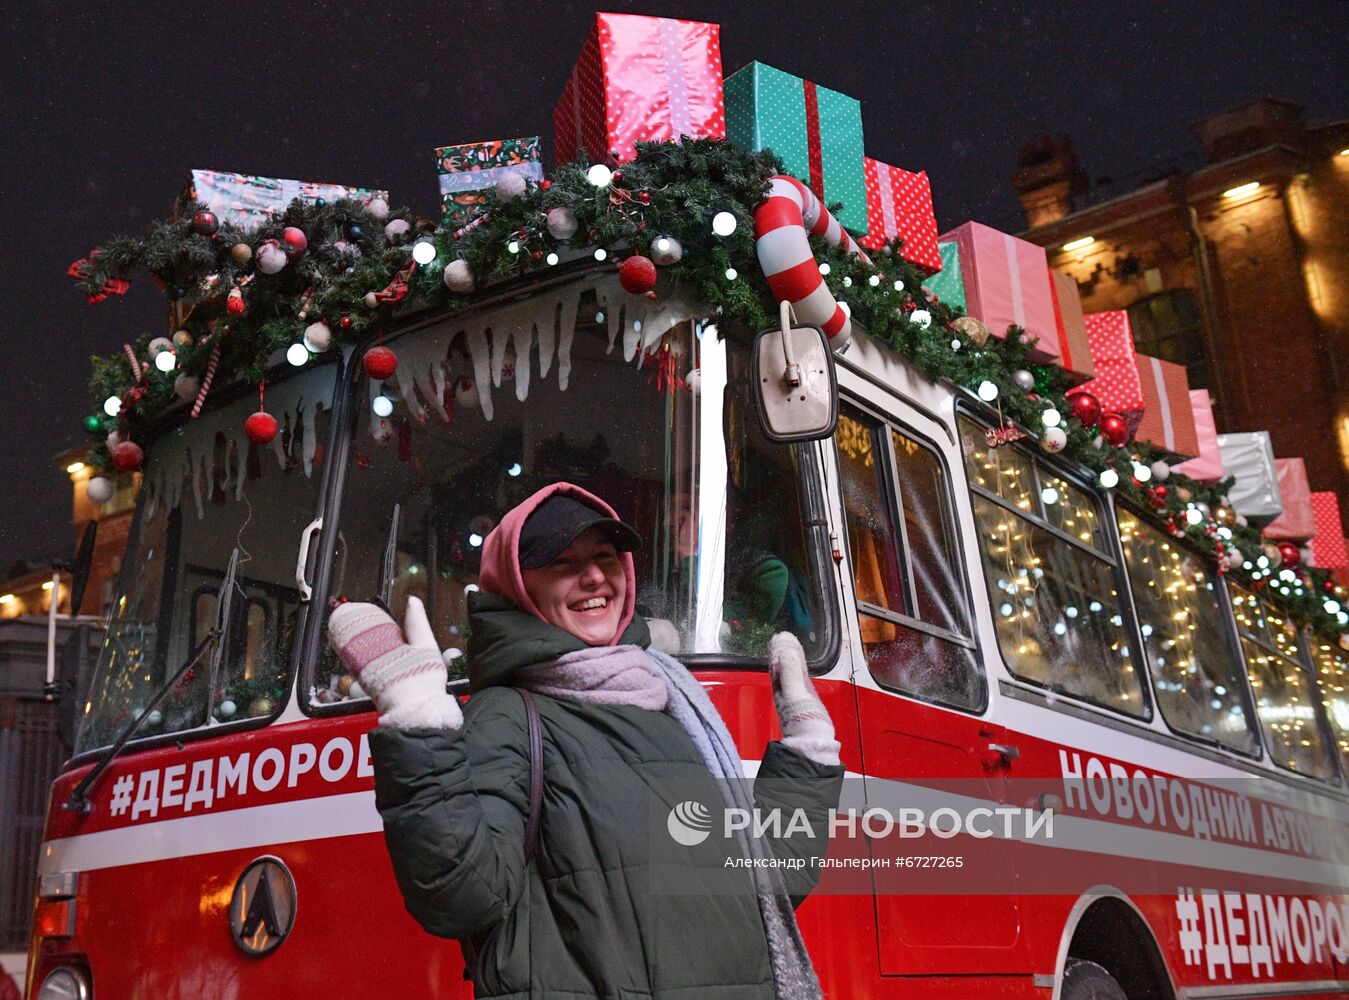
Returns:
point(113, 286)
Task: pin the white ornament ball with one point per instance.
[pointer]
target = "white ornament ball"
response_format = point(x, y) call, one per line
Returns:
point(379, 208)
point(186, 386)
point(562, 223)
point(99, 490)
point(381, 430)
point(114, 439)
point(1054, 439)
point(154, 718)
point(921, 318)
point(466, 394)
point(1241, 520)
point(666, 250)
point(271, 258)
point(458, 278)
point(158, 346)
point(318, 337)
point(1161, 472)
point(694, 380)
point(1234, 555)
point(397, 228)
point(227, 708)
point(510, 187)
point(371, 300)
point(1203, 509)
point(356, 691)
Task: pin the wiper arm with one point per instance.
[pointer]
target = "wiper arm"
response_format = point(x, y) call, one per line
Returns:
point(388, 569)
point(211, 643)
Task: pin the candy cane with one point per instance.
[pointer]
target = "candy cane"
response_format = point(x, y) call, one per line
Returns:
point(206, 382)
point(135, 365)
point(781, 223)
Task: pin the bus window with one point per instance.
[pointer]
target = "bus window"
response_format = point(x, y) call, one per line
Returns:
point(1332, 667)
point(727, 557)
point(913, 615)
point(1186, 638)
point(1284, 695)
point(1051, 580)
point(207, 490)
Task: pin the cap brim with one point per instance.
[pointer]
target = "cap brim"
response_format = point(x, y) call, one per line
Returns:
point(624, 537)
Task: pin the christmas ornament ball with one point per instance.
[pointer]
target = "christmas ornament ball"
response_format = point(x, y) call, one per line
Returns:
point(271, 258)
point(1272, 552)
point(397, 229)
point(694, 380)
point(242, 253)
point(637, 275)
point(158, 346)
point(205, 223)
point(666, 250)
point(1054, 439)
point(127, 456)
point(1225, 516)
point(458, 277)
point(466, 394)
point(972, 328)
point(344, 684)
point(294, 240)
point(379, 208)
point(371, 300)
point(1161, 472)
point(227, 709)
point(1085, 407)
point(561, 223)
point(1024, 380)
point(1114, 429)
point(1234, 556)
point(113, 440)
point(182, 339)
point(510, 186)
point(259, 707)
point(92, 424)
point(379, 363)
point(260, 427)
point(1289, 554)
point(234, 303)
point(186, 386)
point(318, 336)
point(99, 490)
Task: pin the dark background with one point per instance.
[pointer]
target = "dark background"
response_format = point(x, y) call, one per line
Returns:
point(104, 110)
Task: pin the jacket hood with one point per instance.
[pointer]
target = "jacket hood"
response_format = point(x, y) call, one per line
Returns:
point(501, 574)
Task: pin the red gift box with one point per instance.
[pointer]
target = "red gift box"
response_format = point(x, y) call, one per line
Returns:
point(1298, 520)
point(1168, 421)
point(1208, 465)
point(899, 203)
point(1070, 327)
point(1117, 383)
point(641, 79)
point(1328, 543)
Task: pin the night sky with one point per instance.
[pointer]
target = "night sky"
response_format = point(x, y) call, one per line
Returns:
point(104, 110)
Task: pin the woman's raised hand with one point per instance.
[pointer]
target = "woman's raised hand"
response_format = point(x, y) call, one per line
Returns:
point(806, 726)
point(400, 668)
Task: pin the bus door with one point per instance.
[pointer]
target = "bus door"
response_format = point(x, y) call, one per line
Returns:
point(922, 696)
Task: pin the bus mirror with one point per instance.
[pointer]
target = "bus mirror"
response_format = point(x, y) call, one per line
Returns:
point(795, 389)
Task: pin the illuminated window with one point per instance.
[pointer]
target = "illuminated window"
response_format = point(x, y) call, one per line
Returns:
point(1283, 690)
point(1168, 326)
point(913, 613)
point(1332, 668)
point(1051, 580)
point(1198, 682)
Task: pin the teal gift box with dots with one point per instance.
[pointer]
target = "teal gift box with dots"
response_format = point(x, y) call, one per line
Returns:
point(817, 132)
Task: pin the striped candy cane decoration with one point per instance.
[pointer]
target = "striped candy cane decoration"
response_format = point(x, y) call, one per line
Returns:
point(206, 382)
point(781, 224)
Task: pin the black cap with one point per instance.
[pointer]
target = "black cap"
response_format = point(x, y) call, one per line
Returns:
point(558, 521)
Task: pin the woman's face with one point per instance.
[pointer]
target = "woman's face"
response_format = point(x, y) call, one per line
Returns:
point(582, 590)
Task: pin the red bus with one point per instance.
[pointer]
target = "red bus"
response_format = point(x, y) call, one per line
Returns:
point(981, 619)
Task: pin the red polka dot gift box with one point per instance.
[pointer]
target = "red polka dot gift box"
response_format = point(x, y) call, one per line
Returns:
point(641, 79)
point(1327, 544)
point(1117, 384)
point(899, 203)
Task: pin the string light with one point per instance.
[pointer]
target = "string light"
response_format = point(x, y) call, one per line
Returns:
point(382, 406)
point(601, 253)
point(1141, 472)
point(599, 175)
point(874, 280)
point(297, 354)
point(1051, 417)
point(723, 223)
point(552, 259)
point(513, 246)
point(424, 251)
point(988, 391)
point(112, 405)
point(1109, 479)
point(732, 274)
point(165, 360)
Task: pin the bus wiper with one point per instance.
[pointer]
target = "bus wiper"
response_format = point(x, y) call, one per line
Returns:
point(388, 568)
point(210, 643)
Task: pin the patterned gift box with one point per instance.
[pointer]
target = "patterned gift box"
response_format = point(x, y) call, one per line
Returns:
point(1298, 520)
point(1327, 544)
point(641, 79)
point(817, 132)
point(1007, 284)
point(1208, 465)
point(948, 284)
point(469, 171)
point(1117, 384)
point(1249, 458)
point(1168, 421)
point(899, 203)
point(245, 201)
point(1071, 328)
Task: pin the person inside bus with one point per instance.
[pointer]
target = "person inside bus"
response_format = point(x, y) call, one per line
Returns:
point(622, 726)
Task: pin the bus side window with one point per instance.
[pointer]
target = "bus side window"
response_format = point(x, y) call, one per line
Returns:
point(913, 615)
point(1332, 667)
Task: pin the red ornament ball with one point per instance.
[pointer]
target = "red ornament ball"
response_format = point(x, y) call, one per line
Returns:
point(545, 184)
point(234, 304)
point(644, 197)
point(205, 223)
point(295, 241)
point(260, 427)
point(1085, 407)
point(618, 177)
point(1290, 555)
point(379, 363)
point(637, 275)
point(127, 456)
point(345, 322)
point(1114, 429)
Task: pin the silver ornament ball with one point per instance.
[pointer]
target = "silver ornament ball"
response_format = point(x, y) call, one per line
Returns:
point(99, 490)
point(1024, 380)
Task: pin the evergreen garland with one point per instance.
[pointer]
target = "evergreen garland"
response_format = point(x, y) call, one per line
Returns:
point(667, 190)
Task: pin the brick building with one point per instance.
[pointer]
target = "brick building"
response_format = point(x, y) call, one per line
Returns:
point(1237, 268)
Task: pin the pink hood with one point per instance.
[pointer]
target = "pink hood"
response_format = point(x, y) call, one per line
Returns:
point(501, 554)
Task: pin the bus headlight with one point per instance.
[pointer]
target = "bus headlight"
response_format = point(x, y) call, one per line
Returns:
point(64, 983)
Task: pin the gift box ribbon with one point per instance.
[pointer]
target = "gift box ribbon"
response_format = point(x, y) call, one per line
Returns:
point(813, 148)
point(1168, 425)
point(680, 120)
point(1014, 270)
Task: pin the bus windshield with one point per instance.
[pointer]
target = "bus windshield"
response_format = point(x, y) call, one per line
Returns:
point(206, 490)
point(644, 403)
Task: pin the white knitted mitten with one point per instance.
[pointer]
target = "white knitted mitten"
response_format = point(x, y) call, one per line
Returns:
point(806, 726)
point(404, 675)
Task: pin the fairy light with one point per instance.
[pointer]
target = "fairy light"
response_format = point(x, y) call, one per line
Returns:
point(1051, 417)
point(723, 224)
point(423, 252)
point(165, 361)
point(1109, 478)
point(599, 175)
point(112, 405)
point(382, 406)
point(988, 391)
point(297, 354)
point(601, 253)
point(513, 246)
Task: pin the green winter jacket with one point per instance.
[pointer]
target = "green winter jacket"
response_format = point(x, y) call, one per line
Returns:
point(581, 922)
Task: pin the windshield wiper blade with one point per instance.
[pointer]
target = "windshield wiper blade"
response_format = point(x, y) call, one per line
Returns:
point(388, 569)
point(211, 643)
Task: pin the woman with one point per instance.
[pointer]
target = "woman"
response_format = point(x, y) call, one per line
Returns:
point(624, 730)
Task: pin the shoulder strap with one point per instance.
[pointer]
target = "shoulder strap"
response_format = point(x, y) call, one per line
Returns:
point(535, 773)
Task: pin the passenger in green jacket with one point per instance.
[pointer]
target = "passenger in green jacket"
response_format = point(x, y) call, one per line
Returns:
point(610, 905)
